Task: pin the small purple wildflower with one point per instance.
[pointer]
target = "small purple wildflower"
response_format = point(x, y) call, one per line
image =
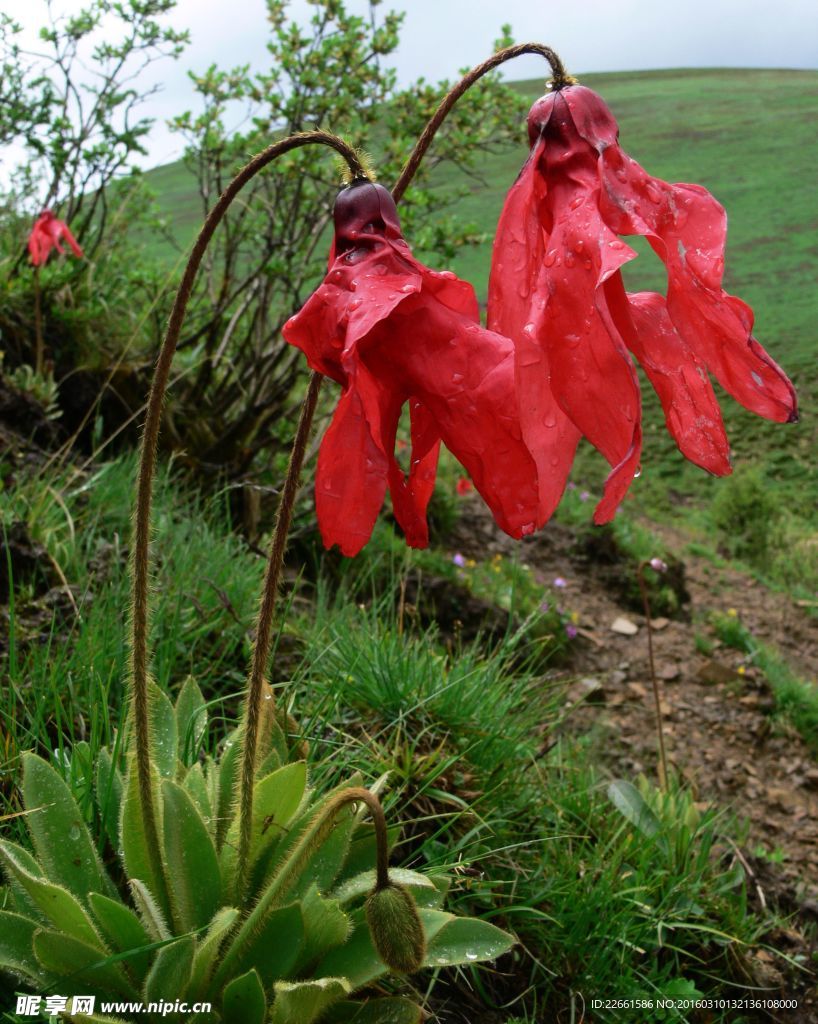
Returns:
point(570, 630)
point(584, 495)
point(459, 560)
point(559, 582)
point(571, 486)
point(544, 606)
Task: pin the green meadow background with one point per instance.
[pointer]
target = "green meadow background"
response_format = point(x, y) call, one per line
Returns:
point(749, 137)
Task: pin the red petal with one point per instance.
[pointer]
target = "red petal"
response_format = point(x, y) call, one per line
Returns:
point(692, 412)
point(687, 229)
point(411, 495)
point(350, 481)
point(592, 376)
point(464, 377)
point(514, 311)
point(361, 289)
point(68, 236)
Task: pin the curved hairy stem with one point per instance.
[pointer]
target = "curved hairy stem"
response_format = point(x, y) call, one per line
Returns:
point(38, 324)
point(264, 624)
point(140, 559)
point(288, 872)
point(559, 80)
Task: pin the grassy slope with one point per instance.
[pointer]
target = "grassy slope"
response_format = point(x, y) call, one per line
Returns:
point(748, 137)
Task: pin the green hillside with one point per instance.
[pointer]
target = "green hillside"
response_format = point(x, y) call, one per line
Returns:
point(749, 137)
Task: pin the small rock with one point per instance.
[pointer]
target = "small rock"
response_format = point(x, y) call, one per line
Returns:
point(660, 623)
point(588, 690)
point(624, 626)
point(715, 673)
point(617, 677)
point(668, 672)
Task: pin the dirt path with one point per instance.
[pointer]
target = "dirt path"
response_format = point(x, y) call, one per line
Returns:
point(716, 708)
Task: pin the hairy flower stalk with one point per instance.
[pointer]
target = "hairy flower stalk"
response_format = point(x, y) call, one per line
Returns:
point(290, 869)
point(560, 79)
point(140, 558)
point(658, 566)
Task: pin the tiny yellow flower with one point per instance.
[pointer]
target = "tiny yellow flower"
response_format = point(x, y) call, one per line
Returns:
point(574, 617)
point(741, 670)
point(470, 563)
point(732, 613)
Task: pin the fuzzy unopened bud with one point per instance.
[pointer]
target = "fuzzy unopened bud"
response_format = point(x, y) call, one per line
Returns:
point(396, 930)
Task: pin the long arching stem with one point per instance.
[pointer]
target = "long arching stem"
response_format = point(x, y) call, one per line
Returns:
point(289, 869)
point(140, 560)
point(560, 79)
point(264, 625)
point(272, 576)
point(38, 324)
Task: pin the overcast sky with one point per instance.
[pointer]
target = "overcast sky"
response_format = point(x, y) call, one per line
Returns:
point(442, 36)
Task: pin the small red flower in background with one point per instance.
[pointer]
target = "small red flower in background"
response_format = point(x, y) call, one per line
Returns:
point(557, 290)
point(49, 233)
point(464, 485)
point(391, 331)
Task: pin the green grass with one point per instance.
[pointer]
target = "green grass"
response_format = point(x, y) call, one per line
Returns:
point(796, 699)
point(465, 740)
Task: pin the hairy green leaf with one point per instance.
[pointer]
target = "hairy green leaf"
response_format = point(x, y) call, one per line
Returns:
point(192, 864)
point(391, 1010)
point(134, 842)
point(272, 947)
point(164, 734)
point(60, 906)
point(16, 944)
point(191, 719)
point(276, 800)
point(466, 940)
point(195, 785)
point(303, 1002)
point(170, 974)
point(208, 949)
point(59, 833)
point(122, 929)
point(243, 1001)
point(421, 887)
point(84, 965)
point(149, 913)
point(325, 927)
point(109, 786)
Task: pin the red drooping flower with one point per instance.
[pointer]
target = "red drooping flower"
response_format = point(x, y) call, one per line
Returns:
point(557, 291)
point(391, 332)
point(49, 233)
